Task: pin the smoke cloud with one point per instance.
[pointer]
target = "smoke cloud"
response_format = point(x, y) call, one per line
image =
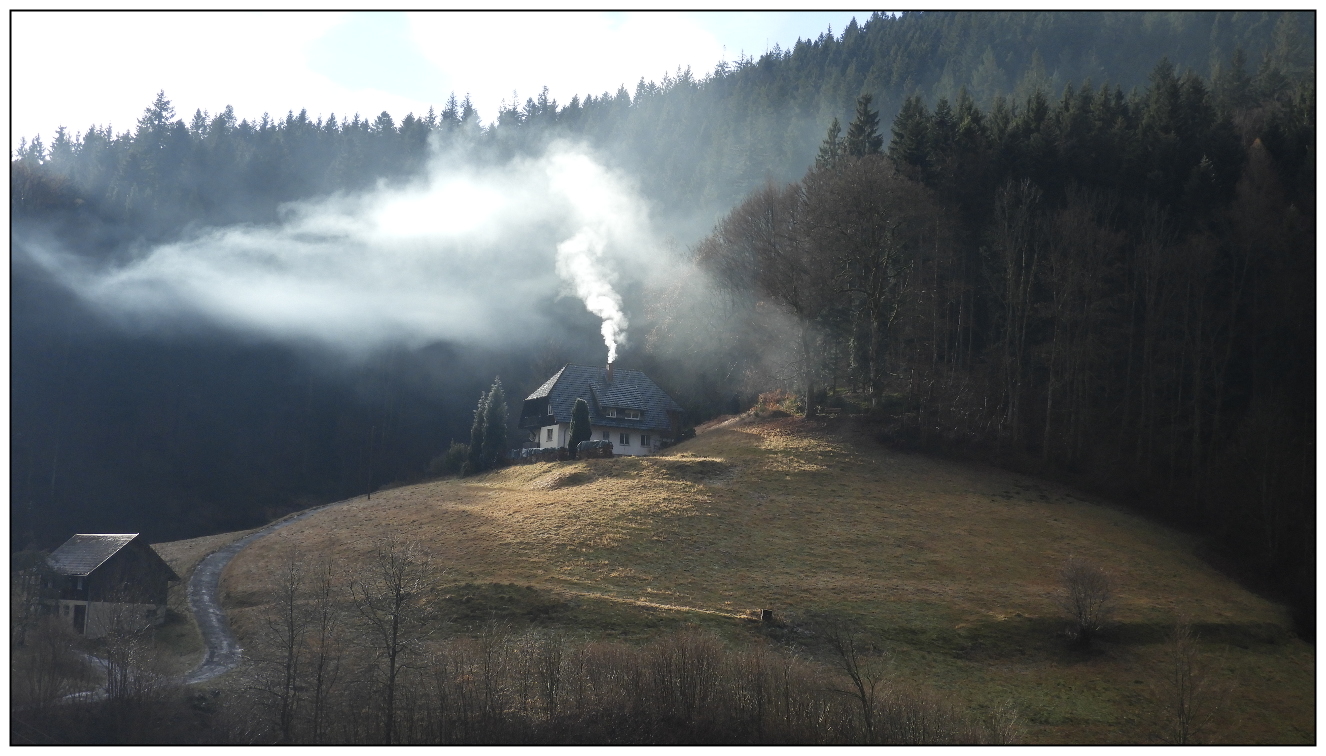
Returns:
point(467, 254)
point(579, 260)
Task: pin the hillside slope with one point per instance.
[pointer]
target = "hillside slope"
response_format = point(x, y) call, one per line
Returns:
point(953, 567)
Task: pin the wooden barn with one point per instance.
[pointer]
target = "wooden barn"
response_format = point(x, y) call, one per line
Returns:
point(104, 580)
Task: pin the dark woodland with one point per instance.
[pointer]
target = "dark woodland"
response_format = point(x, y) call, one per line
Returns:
point(1079, 244)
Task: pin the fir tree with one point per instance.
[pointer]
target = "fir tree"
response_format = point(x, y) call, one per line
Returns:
point(831, 149)
point(495, 430)
point(863, 137)
point(474, 463)
point(911, 131)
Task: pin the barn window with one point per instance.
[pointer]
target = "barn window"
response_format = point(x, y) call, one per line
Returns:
point(625, 439)
point(632, 414)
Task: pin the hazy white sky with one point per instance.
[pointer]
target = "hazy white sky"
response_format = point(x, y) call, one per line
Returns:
point(81, 68)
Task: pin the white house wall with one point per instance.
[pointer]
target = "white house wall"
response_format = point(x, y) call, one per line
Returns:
point(562, 431)
point(633, 449)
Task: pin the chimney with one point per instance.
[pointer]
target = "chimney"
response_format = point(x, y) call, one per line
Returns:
point(609, 372)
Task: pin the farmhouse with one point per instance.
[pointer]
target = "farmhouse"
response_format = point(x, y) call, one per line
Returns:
point(104, 579)
point(625, 407)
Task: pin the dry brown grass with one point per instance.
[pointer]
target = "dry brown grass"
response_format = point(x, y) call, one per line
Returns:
point(954, 566)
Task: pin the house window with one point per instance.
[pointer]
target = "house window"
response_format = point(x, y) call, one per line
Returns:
point(609, 411)
point(625, 438)
point(549, 436)
point(632, 414)
point(644, 440)
point(607, 435)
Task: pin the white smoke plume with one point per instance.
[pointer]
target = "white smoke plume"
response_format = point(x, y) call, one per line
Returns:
point(466, 255)
point(580, 261)
point(611, 219)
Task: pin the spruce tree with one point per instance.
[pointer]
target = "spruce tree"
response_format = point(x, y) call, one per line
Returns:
point(495, 430)
point(911, 131)
point(474, 460)
point(831, 148)
point(580, 430)
point(863, 137)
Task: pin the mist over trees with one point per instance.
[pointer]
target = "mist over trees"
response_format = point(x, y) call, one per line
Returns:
point(978, 315)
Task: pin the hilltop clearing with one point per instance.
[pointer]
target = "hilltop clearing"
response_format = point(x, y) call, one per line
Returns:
point(953, 568)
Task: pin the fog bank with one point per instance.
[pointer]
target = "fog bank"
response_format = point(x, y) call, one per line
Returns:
point(467, 254)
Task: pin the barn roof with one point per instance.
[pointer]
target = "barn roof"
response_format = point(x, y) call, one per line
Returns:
point(629, 389)
point(85, 552)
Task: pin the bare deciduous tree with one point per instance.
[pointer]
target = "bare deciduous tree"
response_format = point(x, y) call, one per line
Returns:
point(325, 629)
point(284, 630)
point(864, 665)
point(48, 667)
point(1186, 698)
point(388, 596)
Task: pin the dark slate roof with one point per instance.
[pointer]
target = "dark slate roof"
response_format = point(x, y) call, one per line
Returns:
point(630, 389)
point(85, 552)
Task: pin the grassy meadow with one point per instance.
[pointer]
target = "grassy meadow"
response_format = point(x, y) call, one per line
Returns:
point(952, 567)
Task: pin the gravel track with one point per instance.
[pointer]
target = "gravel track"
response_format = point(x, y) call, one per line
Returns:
point(223, 651)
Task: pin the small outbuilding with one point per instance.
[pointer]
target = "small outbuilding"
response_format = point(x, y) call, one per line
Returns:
point(104, 580)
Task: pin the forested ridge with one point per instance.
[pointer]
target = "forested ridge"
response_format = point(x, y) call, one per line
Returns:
point(1119, 288)
point(1062, 252)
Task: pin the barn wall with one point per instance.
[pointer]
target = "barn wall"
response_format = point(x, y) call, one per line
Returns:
point(102, 616)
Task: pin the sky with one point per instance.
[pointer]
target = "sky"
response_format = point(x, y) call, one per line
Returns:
point(78, 68)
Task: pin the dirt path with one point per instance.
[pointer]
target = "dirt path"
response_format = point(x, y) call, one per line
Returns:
point(223, 651)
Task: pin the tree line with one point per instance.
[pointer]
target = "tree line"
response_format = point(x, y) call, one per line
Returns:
point(1117, 287)
point(697, 141)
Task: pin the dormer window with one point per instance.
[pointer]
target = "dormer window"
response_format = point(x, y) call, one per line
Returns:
point(609, 411)
point(632, 414)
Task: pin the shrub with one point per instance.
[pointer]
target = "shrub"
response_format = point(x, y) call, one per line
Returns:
point(779, 400)
point(1086, 594)
point(449, 462)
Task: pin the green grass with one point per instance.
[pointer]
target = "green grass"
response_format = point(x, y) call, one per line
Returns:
point(951, 567)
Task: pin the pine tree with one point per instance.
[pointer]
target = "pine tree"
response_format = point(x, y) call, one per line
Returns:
point(831, 149)
point(474, 463)
point(495, 430)
point(580, 430)
point(863, 137)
